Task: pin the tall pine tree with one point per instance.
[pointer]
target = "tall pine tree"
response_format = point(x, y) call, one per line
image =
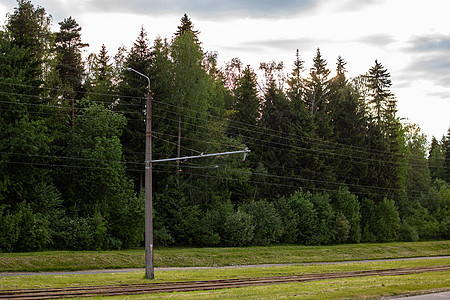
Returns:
point(133, 90)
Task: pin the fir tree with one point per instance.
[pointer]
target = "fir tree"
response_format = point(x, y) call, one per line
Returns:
point(134, 89)
point(340, 71)
point(380, 96)
point(446, 147)
point(316, 96)
point(247, 104)
point(100, 84)
point(186, 26)
point(436, 159)
point(28, 29)
point(69, 46)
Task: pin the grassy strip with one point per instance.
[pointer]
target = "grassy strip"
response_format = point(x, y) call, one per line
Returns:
point(212, 257)
point(47, 281)
point(351, 288)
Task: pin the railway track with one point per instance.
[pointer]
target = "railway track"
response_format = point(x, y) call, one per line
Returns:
point(133, 289)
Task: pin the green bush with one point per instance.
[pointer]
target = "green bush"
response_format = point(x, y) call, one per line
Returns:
point(188, 229)
point(408, 233)
point(325, 219)
point(100, 231)
point(213, 223)
point(162, 237)
point(78, 234)
point(368, 220)
point(445, 227)
point(126, 221)
point(238, 229)
point(308, 221)
point(9, 230)
point(289, 220)
point(34, 234)
point(342, 228)
point(348, 204)
point(388, 221)
point(112, 243)
point(266, 222)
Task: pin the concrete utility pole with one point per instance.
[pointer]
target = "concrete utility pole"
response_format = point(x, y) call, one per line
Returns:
point(149, 269)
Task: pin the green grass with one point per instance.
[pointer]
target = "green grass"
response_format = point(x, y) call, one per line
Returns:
point(365, 287)
point(351, 288)
point(47, 281)
point(213, 257)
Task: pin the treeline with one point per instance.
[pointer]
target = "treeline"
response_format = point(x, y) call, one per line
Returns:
point(330, 161)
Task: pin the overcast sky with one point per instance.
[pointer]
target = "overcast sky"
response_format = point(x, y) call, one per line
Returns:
point(411, 38)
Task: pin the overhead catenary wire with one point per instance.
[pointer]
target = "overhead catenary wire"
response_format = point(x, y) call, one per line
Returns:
point(330, 155)
point(365, 150)
point(313, 180)
point(323, 152)
point(305, 149)
point(323, 189)
point(290, 178)
point(210, 176)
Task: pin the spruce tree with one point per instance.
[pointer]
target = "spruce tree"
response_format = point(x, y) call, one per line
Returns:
point(69, 47)
point(446, 149)
point(247, 104)
point(303, 130)
point(317, 96)
point(100, 85)
point(317, 86)
point(386, 136)
point(275, 140)
point(28, 29)
point(349, 125)
point(133, 90)
point(28, 198)
point(418, 175)
point(380, 96)
point(340, 71)
point(436, 160)
point(186, 26)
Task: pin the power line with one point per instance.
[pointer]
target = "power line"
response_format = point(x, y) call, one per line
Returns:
point(281, 144)
point(315, 180)
point(363, 149)
point(291, 186)
point(323, 152)
point(287, 135)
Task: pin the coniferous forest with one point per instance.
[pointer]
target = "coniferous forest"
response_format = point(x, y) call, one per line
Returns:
point(330, 160)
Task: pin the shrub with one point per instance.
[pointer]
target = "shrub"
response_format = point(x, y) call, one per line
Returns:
point(100, 231)
point(213, 223)
point(388, 221)
point(163, 237)
point(34, 234)
point(238, 229)
point(112, 243)
point(368, 220)
point(79, 234)
point(342, 228)
point(9, 231)
point(307, 221)
point(187, 228)
point(348, 204)
point(266, 222)
point(289, 220)
point(408, 233)
point(127, 220)
point(445, 227)
point(325, 218)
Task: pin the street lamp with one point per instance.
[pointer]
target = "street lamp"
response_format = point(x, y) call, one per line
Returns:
point(149, 269)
